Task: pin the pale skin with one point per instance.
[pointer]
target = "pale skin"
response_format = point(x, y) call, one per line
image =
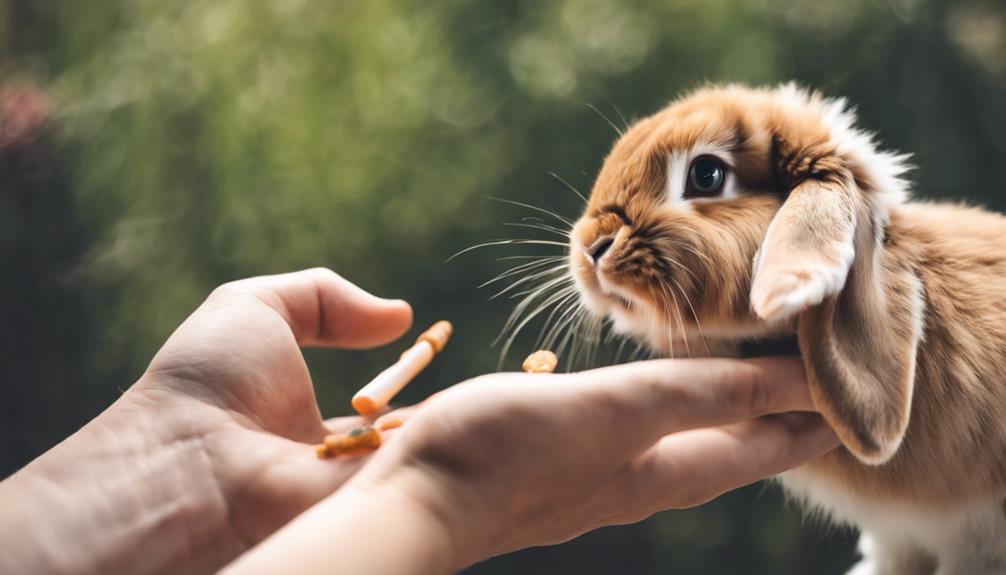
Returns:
point(210, 452)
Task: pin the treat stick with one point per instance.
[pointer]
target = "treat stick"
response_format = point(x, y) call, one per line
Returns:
point(375, 395)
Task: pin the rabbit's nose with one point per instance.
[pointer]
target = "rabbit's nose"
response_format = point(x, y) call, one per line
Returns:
point(600, 246)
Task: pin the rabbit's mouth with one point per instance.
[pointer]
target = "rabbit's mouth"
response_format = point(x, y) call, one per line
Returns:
point(614, 274)
point(601, 295)
point(630, 314)
point(616, 296)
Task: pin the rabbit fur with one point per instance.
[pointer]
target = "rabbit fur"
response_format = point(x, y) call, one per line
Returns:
point(898, 307)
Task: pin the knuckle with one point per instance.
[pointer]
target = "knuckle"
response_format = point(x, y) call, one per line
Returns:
point(657, 380)
point(321, 272)
point(237, 291)
point(748, 388)
point(669, 389)
point(227, 290)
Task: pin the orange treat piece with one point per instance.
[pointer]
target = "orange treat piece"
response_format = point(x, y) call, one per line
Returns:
point(375, 396)
point(359, 440)
point(437, 335)
point(392, 422)
point(541, 361)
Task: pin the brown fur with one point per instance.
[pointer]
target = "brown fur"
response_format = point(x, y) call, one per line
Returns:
point(955, 446)
point(870, 375)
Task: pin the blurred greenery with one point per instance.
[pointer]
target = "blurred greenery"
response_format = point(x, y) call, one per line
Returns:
point(190, 143)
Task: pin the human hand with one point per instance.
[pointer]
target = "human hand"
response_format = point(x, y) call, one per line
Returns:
point(233, 375)
point(513, 460)
point(212, 449)
point(508, 461)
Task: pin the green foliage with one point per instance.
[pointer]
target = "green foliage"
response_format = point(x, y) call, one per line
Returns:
point(196, 142)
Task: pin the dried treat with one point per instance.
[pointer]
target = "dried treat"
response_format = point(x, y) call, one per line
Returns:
point(375, 396)
point(541, 361)
point(390, 422)
point(359, 440)
point(437, 335)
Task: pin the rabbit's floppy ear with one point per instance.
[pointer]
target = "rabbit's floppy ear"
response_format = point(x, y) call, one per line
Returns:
point(860, 315)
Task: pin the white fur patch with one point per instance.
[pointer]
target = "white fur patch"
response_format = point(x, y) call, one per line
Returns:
point(961, 538)
point(885, 170)
point(677, 175)
point(777, 296)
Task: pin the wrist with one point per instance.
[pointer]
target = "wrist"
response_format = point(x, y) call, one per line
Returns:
point(126, 493)
point(359, 529)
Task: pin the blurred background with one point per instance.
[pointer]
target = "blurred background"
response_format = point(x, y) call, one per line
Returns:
point(151, 150)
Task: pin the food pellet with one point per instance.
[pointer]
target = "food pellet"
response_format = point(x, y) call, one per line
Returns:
point(392, 422)
point(359, 440)
point(541, 361)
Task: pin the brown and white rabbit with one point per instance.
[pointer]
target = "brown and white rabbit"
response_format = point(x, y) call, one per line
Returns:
point(737, 214)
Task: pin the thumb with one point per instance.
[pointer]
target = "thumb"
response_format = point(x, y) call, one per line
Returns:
point(325, 310)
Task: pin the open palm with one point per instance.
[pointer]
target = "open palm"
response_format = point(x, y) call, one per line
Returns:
point(233, 379)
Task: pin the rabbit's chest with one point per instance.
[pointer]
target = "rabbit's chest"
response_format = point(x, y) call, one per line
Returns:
point(949, 534)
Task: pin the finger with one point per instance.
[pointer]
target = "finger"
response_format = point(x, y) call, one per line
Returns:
point(641, 402)
point(689, 468)
point(324, 309)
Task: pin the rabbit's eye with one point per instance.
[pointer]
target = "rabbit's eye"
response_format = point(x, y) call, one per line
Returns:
point(705, 177)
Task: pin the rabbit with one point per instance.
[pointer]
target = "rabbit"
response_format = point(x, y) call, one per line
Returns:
point(741, 214)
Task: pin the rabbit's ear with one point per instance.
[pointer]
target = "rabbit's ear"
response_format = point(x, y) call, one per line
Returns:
point(859, 349)
point(861, 317)
point(808, 247)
